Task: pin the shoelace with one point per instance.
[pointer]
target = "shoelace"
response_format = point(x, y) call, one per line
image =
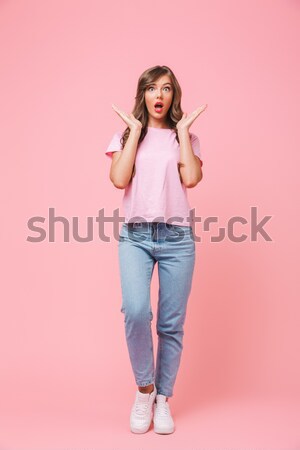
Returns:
point(141, 408)
point(162, 409)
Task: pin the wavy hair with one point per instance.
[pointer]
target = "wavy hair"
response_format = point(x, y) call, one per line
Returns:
point(140, 111)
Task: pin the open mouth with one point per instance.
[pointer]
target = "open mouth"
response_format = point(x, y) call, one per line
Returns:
point(158, 106)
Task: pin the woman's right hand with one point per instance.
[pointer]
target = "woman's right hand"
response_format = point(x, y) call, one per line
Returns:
point(130, 120)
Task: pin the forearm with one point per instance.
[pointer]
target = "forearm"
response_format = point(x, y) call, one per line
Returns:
point(189, 166)
point(121, 170)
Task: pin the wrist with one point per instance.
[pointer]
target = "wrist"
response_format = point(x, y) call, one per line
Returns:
point(136, 131)
point(182, 131)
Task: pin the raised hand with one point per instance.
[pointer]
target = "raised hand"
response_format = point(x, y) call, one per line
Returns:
point(130, 120)
point(186, 120)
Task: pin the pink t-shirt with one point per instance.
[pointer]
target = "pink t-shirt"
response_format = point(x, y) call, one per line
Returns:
point(156, 193)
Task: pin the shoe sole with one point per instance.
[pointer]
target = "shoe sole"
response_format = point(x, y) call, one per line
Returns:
point(164, 431)
point(137, 431)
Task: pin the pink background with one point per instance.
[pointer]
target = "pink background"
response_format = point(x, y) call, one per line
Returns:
point(65, 377)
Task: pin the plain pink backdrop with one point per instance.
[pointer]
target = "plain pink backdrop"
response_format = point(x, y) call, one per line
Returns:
point(65, 377)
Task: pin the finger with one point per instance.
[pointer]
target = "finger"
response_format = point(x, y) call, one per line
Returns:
point(121, 113)
point(201, 108)
point(116, 108)
point(195, 114)
point(198, 111)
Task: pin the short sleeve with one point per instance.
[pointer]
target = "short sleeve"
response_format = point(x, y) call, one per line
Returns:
point(196, 146)
point(114, 145)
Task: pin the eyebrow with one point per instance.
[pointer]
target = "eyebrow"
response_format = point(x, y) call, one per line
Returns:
point(163, 84)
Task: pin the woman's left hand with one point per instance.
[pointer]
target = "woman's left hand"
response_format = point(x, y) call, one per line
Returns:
point(186, 121)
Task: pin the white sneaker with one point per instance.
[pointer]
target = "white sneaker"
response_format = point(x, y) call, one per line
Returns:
point(163, 421)
point(142, 412)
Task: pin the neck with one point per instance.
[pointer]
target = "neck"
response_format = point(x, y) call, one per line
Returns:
point(152, 123)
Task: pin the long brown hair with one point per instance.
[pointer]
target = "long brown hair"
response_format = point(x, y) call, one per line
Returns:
point(140, 111)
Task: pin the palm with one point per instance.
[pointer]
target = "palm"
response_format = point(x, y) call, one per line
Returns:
point(187, 120)
point(130, 120)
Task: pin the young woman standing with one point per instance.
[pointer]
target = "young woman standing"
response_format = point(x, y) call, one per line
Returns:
point(155, 159)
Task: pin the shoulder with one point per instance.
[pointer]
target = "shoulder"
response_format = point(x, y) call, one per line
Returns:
point(114, 143)
point(193, 136)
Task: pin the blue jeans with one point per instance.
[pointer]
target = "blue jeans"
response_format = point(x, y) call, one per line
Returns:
point(140, 246)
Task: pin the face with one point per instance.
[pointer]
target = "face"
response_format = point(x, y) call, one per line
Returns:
point(159, 91)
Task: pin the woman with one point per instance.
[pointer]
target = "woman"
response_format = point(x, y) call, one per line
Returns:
point(155, 160)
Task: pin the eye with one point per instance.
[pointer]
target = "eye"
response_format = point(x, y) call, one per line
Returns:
point(152, 87)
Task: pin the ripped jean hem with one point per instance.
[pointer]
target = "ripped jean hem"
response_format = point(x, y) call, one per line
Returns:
point(145, 383)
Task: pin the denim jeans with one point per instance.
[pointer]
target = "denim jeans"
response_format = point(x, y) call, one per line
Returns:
point(140, 246)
